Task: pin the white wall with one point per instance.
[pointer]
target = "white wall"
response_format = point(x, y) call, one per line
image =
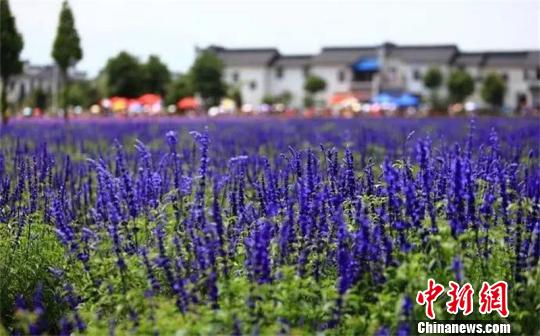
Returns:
point(247, 75)
point(292, 80)
point(406, 71)
point(330, 74)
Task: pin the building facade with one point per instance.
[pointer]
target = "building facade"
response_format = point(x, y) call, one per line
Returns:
point(37, 77)
point(366, 71)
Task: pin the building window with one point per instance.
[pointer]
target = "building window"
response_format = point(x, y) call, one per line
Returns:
point(253, 85)
point(504, 76)
point(521, 99)
point(279, 72)
point(538, 73)
point(306, 70)
point(341, 76)
point(363, 76)
point(417, 74)
point(235, 77)
point(526, 74)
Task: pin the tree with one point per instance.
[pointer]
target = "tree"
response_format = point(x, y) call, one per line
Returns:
point(207, 77)
point(124, 76)
point(460, 86)
point(314, 84)
point(493, 90)
point(81, 93)
point(11, 44)
point(67, 44)
point(236, 95)
point(179, 88)
point(38, 98)
point(308, 101)
point(157, 75)
point(433, 79)
point(268, 99)
point(285, 97)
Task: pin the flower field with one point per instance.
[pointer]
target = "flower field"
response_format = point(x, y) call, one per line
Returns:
point(263, 226)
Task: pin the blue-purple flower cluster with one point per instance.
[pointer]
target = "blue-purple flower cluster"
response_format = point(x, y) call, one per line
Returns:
point(146, 214)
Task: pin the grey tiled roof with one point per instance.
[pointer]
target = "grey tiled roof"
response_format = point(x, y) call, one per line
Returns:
point(533, 59)
point(247, 57)
point(530, 59)
point(506, 59)
point(293, 60)
point(340, 55)
point(428, 54)
point(431, 54)
point(469, 59)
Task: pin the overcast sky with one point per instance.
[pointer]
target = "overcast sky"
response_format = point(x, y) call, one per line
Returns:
point(172, 28)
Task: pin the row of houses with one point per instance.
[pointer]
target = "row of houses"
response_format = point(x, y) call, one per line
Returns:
point(366, 71)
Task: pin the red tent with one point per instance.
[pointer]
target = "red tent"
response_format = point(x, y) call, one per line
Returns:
point(187, 103)
point(339, 97)
point(149, 99)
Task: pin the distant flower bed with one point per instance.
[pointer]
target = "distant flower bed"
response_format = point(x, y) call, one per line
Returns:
point(263, 226)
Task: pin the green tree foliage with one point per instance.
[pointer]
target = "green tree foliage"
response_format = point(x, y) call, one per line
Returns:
point(157, 75)
point(11, 44)
point(309, 101)
point(460, 86)
point(314, 84)
point(38, 98)
point(433, 78)
point(283, 98)
point(67, 45)
point(493, 89)
point(268, 99)
point(207, 77)
point(179, 88)
point(236, 95)
point(82, 93)
point(125, 76)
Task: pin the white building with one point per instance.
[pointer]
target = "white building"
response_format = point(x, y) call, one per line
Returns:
point(366, 71)
point(249, 70)
point(288, 76)
point(521, 71)
point(348, 70)
point(405, 66)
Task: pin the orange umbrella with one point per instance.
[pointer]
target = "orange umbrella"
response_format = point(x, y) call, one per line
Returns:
point(187, 103)
point(118, 103)
point(339, 97)
point(149, 99)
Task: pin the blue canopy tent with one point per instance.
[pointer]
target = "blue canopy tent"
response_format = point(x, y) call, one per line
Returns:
point(384, 98)
point(366, 64)
point(401, 100)
point(407, 99)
